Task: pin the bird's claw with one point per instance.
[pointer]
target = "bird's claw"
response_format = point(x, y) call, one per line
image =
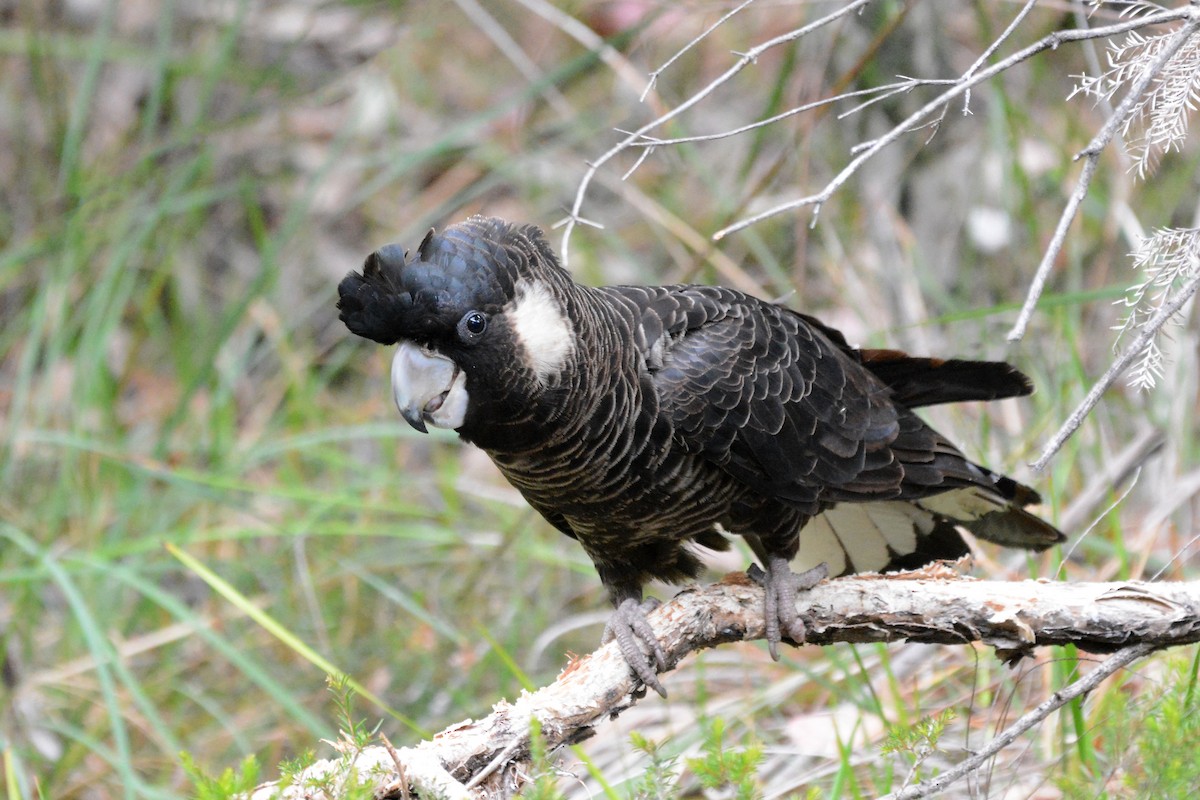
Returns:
point(627, 626)
point(780, 586)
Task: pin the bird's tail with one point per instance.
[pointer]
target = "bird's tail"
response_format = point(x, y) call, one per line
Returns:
point(887, 535)
point(917, 381)
point(996, 514)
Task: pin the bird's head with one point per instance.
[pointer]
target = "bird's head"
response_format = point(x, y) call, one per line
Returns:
point(480, 314)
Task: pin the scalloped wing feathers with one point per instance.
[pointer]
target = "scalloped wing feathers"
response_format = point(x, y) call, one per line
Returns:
point(784, 404)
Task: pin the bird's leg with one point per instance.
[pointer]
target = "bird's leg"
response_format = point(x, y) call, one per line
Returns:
point(781, 585)
point(628, 626)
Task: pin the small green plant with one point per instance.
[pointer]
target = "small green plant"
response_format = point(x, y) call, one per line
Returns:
point(1143, 740)
point(1166, 765)
point(227, 785)
point(354, 731)
point(722, 767)
point(919, 740)
point(291, 768)
point(659, 780)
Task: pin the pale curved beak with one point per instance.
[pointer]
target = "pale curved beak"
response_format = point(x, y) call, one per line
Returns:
point(428, 388)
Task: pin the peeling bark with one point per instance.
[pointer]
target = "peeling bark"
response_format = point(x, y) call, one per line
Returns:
point(488, 758)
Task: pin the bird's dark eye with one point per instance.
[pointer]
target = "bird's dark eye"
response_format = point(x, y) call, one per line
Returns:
point(472, 325)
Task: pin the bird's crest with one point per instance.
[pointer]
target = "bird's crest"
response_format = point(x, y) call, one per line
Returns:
point(473, 265)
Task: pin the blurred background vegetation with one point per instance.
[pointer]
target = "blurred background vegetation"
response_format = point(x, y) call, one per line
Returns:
point(183, 184)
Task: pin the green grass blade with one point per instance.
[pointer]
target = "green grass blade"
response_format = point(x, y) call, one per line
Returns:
point(280, 632)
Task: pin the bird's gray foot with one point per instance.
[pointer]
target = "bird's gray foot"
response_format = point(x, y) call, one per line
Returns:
point(628, 625)
point(781, 586)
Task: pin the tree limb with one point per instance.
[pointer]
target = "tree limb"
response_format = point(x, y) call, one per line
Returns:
point(934, 605)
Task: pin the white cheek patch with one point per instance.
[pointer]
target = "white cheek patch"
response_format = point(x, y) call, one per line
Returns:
point(542, 329)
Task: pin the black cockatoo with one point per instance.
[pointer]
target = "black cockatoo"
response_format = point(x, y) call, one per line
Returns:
point(646, 422)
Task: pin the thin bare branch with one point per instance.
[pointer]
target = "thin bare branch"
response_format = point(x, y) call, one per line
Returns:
point(1050, 255)
point(666, 64)
point(1087, 683)
point(993, 47)
point(1151, 329)
point(891, 89)
point(1091, 154)
point(1048, 42)
point(747, 58)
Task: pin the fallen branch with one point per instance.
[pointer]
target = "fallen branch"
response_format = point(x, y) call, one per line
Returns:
point(936, 605)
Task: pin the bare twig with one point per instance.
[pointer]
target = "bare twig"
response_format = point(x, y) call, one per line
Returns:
point(1117, 661)
point(488, 757)
point(666, 64)
point(993, 47)
point(1091, 154)
point(1038, 285)
point(907, 85)
point(915, 120)
point(1151, 329)
point(1118, 470)
point(746, 59)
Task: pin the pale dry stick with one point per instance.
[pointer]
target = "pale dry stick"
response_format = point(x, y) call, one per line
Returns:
point(1081, 538)
point(747, 58)
point(1175, 557)
point(1117, 661)
point(890, 90)
point(1091, 154)
point(1149, 331)
point(1048, 42)
point(666, 64)
point(1116, 472)
point(1042, 273)
point(992, 48)
point(906, 83)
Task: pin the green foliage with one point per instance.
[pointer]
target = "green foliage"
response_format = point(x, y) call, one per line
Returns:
point(354, 731)
point(290, 768)
point(920, 738)
point(724, 767)
point(658, 779)
point(1143, 740)
point(1168, 745)
point(226, 786)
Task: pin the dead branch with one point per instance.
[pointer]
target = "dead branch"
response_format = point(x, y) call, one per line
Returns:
point(1118, 367)
point(489, 757)
point(1119, 660)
